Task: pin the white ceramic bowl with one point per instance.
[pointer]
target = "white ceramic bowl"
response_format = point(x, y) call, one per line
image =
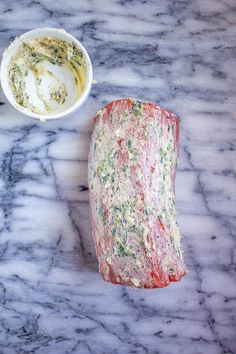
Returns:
point(36, 33)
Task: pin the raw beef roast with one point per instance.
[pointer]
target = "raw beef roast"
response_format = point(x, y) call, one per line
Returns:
point(132, 164)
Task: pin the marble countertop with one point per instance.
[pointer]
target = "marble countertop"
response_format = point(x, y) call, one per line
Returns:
point(180, 54)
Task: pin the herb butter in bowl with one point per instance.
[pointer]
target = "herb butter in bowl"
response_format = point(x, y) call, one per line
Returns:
point(46, 73)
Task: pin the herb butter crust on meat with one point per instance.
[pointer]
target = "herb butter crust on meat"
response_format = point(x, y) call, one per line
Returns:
point(132, 162)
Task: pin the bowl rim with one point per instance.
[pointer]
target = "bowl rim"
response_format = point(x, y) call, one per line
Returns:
point(35, 33)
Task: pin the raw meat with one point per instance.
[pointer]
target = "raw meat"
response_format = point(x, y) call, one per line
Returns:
point(132, 164)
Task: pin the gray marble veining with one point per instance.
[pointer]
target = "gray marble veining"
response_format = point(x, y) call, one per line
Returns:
point(182, 55)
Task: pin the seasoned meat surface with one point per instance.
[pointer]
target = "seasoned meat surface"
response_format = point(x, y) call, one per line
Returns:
point(132, 164)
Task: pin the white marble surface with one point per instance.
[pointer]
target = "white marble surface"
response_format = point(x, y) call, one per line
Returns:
point(52, 299)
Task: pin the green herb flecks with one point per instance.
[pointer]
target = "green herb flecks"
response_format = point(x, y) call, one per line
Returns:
point(58, 94)
point(133, 152)
point(106, 170)
point(123, 250)
point(147, 211)
point(137, 108)
point(122, 223)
